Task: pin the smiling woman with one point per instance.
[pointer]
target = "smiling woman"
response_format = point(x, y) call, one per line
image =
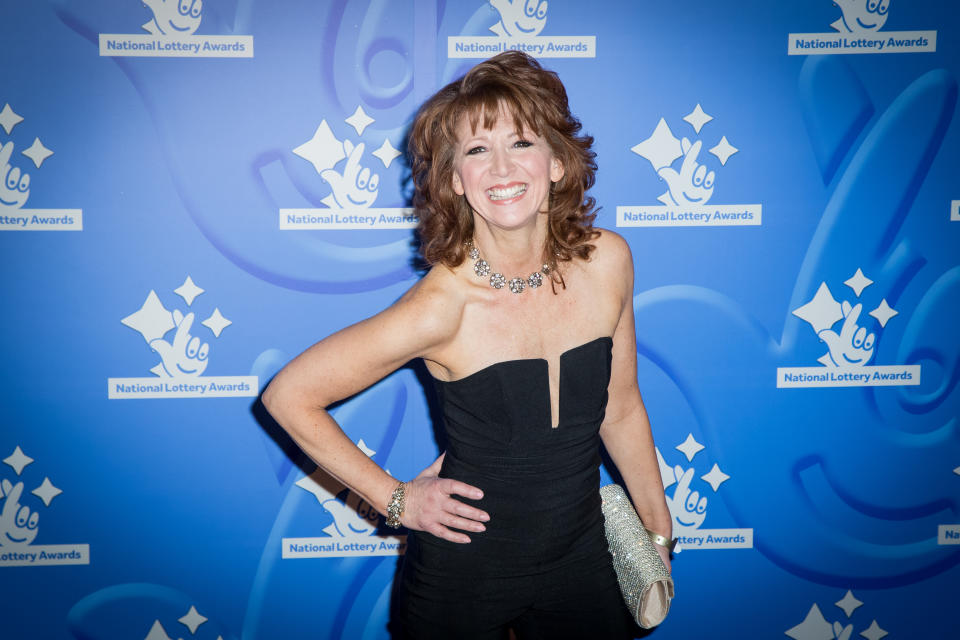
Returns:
point(506, 527)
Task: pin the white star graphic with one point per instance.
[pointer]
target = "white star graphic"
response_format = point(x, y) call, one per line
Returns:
point(323, 150)
point(157, 632)
point(363, 447)
point(957, 471)
point(690, 447)
point(216, 322)
point(359, 120)
point(813, 627)
point(697, 118)
point(192, 620)
point(715, 477)
point(661, 148)
point(883, 313)
point(9, 119)
point(188, 291)
point(386, 153)
point(821, 312)
point(46, 491)
point(151, 320)
point(873, 632)
point(37, 152)
point(858, 282)
point(724, 150)
point(849, 603)
point(18, 460)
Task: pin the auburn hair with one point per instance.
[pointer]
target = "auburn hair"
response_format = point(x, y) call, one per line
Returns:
point(513, 83)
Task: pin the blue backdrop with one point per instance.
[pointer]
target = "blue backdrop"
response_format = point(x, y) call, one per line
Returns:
point(193, 192)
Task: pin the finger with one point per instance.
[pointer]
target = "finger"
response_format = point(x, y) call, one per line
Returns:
point(690, 160)
point(434, 467)
point(464, 524)
point(453, 536)
point(466, 511)
point(451, 487)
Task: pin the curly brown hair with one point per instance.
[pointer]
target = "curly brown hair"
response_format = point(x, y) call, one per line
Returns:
point(536, 99)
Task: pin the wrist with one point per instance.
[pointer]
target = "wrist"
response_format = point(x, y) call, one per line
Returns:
point(396, 506)
point(667, 543)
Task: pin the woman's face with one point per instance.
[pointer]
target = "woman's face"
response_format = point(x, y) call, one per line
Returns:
point(505, 177)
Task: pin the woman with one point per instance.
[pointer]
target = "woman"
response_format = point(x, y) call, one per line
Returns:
point(525, 321)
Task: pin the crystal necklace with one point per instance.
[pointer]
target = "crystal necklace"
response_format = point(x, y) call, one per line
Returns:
point(497, 280)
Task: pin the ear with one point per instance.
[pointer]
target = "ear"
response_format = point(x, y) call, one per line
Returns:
point(457, 185)
point(556, 170)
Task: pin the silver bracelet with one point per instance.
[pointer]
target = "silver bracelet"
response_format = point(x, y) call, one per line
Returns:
point(663, 541)
point(395, 506)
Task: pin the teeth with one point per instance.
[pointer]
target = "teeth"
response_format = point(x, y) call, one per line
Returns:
point(504, 194)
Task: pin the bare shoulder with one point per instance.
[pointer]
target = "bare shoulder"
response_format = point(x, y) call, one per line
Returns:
point(432, 309)
point(611, 259)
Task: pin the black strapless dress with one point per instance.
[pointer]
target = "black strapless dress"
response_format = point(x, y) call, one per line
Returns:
point(542, 565)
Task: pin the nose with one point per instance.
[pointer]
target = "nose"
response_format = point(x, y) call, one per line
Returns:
point(500, 163)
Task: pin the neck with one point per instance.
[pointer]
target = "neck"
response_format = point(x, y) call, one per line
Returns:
point(513, 250)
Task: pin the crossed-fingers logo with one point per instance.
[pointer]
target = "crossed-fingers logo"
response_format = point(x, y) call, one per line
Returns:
point(354, 181)
point(688, 501)
point(183, 350)
point(20, 518)
point(689, 179)
point(858, 29)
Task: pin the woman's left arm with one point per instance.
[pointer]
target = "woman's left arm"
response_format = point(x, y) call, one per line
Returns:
point(626, 428)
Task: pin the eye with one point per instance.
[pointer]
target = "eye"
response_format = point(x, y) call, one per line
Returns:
point(475, 150)
point(884, 7)
point(530, 8)
point(192, 347)
point(24, 183)
point(708, 181)
point(702, 505)
point(374, 183)
point(184, 7)
point(363, 178)
point(13, 178)
point(691, 504)
point(871, 5)
point(542, 10)
point(197, 8)
point(32, 522)
point(22, 515)
point(858, 337)
point(868, 343)
point(522, 144)
point(204, 350)
point(699, 175)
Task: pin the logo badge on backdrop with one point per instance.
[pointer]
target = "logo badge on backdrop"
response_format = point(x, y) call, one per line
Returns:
point(689, 501)
point(850, 344)
point(16, 181)
point(815, 625)
point(858, 29)
point(184, 350)
point(20, 519)
point(171, 33)
point(518, 27)
point(355, 523)
point(354, 182)
point(949, 533)
point(955, 211)
point(690, 182)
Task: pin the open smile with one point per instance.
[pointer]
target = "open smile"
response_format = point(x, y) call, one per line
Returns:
point(510, 192)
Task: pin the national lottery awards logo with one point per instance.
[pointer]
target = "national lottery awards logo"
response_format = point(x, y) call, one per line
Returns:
point(858, 30)
point(355, 523)
point(518, 27)
point(20, 519)
point(171, 33)
point(850, 344)
point(184, 351)
point(16, 183)
point(816, 626)
point(690, 183)
point(354, 182)
point(688, 503)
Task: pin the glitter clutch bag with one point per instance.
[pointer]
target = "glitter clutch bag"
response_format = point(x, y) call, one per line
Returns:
point(646, 585)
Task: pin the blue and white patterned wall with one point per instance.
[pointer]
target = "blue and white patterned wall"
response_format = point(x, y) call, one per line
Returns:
point(193, 192)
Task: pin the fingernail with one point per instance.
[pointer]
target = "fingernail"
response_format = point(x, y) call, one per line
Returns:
point(485, 518)
point(478, 495)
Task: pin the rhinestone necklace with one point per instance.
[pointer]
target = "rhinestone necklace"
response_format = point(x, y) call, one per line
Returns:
point(497, 280)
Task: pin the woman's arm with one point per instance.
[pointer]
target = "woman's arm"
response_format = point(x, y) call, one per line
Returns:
point(348, 362)
point(626, 429)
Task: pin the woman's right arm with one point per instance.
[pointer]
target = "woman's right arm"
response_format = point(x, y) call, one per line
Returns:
point(351, 360)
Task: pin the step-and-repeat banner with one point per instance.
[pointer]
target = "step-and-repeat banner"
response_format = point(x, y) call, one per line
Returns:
point(194, 191)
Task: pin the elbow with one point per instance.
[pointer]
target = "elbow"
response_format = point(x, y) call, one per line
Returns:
point(272, 400)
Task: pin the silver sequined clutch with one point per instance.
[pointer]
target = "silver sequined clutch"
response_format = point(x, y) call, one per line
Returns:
point(644, 581)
